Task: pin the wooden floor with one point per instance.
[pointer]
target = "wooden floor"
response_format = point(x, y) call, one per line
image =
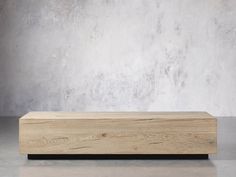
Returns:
point(118, 133)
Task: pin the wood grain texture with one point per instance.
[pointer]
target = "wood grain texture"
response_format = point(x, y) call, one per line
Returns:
point(118, 133)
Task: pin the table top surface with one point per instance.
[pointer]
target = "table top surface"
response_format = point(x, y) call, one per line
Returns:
point(117, 115)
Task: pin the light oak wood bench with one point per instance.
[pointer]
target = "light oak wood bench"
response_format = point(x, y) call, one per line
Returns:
point(117, 133)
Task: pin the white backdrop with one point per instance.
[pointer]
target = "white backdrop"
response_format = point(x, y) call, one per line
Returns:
point(118, 55)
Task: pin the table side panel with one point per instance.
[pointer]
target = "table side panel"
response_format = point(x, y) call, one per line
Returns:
point(118, 136)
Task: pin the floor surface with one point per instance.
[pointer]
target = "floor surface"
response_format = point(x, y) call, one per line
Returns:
point(13, 164)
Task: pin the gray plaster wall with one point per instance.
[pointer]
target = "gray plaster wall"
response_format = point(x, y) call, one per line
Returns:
point(118, 55)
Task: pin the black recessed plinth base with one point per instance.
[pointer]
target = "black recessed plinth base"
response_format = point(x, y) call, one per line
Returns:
point(117, 156)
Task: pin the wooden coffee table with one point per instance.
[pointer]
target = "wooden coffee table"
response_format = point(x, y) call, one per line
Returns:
point(117, 133)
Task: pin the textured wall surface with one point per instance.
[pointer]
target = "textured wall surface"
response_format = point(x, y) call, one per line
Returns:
point(118, 55)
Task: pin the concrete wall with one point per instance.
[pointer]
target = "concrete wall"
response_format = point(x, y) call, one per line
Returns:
point(118, 55)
